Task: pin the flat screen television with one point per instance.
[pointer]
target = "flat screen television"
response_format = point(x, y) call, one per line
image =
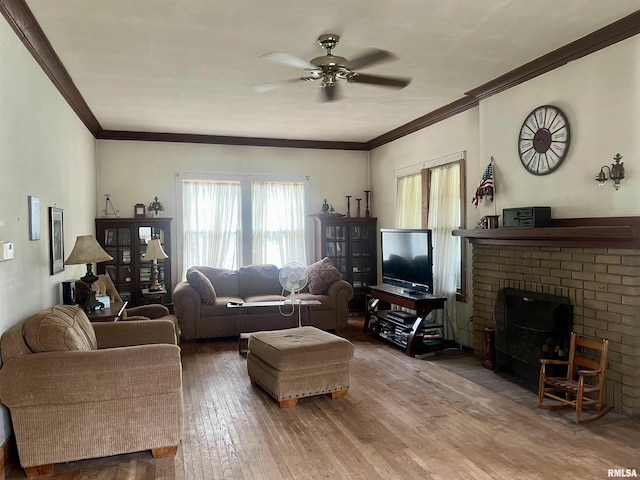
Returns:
point(407, 260)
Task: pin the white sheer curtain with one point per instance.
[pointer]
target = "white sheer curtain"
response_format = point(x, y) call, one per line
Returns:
point(211, 224)
point(444, 216)
point(409, 201)
point(278, 223)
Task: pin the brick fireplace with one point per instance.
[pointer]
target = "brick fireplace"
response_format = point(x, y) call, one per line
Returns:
point(602, 283)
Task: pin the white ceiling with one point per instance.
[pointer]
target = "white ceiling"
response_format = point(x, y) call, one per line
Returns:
point(188, 66)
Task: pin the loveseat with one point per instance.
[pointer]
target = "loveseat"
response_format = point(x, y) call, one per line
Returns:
point(79, 390)
point(200, 302)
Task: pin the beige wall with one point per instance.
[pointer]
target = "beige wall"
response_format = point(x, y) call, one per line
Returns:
point(47, 153)
point(599, 94)
point(135, 172)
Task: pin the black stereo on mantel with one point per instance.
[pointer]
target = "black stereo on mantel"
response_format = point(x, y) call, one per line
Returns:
point(526, 217)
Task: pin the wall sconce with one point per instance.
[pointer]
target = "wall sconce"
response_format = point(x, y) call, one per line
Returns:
point(616, 173)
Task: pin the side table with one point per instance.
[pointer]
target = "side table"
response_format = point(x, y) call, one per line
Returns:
point(153, 296)
point(112, 313)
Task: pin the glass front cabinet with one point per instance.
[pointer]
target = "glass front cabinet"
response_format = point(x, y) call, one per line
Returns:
point(125, 239)
point(350, 243)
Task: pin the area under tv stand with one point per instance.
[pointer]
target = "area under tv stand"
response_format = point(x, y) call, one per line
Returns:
point(414, 336)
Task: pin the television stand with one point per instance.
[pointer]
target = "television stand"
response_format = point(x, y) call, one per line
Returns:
point(415, 335)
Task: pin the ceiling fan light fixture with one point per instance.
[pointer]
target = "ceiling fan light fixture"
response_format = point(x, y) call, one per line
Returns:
point(331, 68)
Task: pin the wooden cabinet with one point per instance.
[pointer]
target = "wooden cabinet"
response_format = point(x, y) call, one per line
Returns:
point(350, 243)
point(125, 239)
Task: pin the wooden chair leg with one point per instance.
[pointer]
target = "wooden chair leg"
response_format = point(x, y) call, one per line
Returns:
point(32, 472)
point(164, 451)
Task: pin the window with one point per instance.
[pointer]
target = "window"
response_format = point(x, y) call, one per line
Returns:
point(433, 198)
point(409, 202)
point(443, 215)
point(211, 223)
point(278, 235)
point(230, 223)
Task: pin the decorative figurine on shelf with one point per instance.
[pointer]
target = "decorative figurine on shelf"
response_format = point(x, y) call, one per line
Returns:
point(331, 210)
point(358, 200)
point(367, 213)
point(109, 210)
point(325, 207)
point(348, 205)
point(156, 206)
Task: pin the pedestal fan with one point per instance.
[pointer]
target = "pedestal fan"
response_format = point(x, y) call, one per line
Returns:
point(293, 278)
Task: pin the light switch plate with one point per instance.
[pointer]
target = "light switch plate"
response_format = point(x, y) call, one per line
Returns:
point(6, 252)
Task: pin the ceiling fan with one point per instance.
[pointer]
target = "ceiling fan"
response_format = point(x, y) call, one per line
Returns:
point(329, 68)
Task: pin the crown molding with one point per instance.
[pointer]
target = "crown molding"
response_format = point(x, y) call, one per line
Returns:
point(21, 19)
point(226, 140)
point(29, 31)
point(616, 32)
point(613, 33)
point(453, 108)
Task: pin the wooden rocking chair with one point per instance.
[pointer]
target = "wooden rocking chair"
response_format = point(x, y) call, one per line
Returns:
point(584, 383)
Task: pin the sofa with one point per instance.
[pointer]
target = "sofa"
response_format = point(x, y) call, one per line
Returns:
point(200, 302)
point(79, 390)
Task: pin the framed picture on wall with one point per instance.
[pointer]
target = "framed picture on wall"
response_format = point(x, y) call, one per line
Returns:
point(56, 230)
point(34, 218)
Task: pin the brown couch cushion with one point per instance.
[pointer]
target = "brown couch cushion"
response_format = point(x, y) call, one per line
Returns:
point(225, 282)
point(321, 275)
point(259, 280)
point(202, 285)
point(61, 328)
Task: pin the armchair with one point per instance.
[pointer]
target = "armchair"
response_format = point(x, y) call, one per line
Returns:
point(72, 395)
point(105, 286)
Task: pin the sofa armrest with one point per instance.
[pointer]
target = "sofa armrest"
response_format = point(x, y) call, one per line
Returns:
point(186, 305)
point(90, 376)
point(149, 311)
point(134, 332)
point(341, 292)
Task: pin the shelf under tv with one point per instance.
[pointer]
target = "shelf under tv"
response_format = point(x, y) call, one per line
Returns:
point(413, 336)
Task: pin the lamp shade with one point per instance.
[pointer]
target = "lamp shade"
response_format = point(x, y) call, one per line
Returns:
point(87, 250)
point(154, 250)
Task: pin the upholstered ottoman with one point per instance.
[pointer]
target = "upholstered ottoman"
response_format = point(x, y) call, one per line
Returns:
point(299, 362)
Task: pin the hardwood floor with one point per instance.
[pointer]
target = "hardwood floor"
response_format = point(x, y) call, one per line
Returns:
point(403, 418)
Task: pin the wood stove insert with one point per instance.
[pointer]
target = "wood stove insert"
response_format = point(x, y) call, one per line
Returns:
point(530, 326)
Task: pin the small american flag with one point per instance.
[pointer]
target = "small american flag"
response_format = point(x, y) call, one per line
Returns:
point(485, 187)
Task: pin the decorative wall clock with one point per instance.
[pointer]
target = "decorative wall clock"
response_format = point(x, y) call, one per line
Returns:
point(544, 139)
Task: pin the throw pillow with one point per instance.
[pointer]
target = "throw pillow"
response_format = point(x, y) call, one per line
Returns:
point(258, 280)
point(61, 328)
point(202, 285)
point(321, 275)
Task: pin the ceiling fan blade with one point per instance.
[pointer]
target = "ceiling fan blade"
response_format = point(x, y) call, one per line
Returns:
point(265, 87)
point(288, 59)
point(378, 80)
point(330, 92)
point(369, 58)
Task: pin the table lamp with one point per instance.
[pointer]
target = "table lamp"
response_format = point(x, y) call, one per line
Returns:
point(154, 253)
point(87, 250)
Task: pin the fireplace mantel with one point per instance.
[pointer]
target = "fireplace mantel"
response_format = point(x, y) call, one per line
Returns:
point(606, 232)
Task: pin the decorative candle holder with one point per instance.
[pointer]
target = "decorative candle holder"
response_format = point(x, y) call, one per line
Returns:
point(358, 200)
point(366, 212)
point(348, 205)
